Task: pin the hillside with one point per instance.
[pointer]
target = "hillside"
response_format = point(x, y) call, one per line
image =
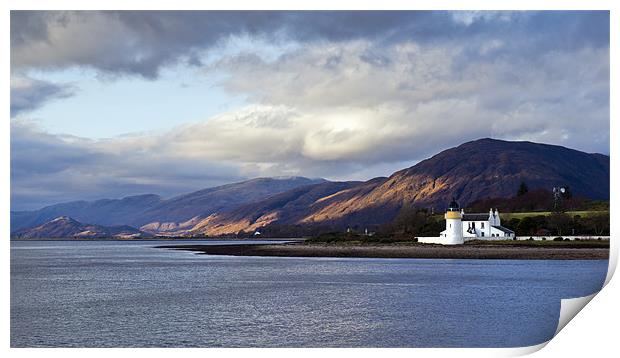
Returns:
point(66, 227)
point(291, 207)
point(474, 170)
point(160, 214)
point(102, 212)
point(205, 202)
point(480, 169)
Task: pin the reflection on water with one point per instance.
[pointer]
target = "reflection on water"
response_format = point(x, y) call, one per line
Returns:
point(130, 294)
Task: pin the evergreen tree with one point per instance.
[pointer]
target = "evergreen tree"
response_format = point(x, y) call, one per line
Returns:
point(522, 189)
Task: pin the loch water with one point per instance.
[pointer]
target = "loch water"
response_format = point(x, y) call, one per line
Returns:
point(131, 294)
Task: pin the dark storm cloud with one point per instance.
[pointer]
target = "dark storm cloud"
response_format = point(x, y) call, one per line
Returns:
point(28, 94)
point(141, 42)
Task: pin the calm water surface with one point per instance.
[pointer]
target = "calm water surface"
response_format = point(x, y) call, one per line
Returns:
point(130, 294)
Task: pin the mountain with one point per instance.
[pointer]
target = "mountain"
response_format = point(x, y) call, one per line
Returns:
point(157, 214)
point(480, 169)
point(66, 227)
point(171, 214)
point(474, 170)
point(289, 207)
point(101, 212)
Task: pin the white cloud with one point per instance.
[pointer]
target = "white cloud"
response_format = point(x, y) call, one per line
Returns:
point(362, 102)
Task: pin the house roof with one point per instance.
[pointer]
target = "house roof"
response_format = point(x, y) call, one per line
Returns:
point(501, 228)
point(476, 217)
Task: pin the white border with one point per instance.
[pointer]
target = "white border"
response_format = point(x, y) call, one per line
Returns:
point(594, 330)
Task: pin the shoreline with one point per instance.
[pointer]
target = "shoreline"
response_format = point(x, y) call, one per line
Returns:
point(419, 251)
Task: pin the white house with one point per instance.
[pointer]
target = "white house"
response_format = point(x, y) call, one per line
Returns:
point(461, 227)
point(483, 225)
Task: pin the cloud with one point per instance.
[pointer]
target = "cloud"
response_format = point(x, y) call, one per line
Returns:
point(357, 99)
point(28, 94)
point(47, 168)
point(469, 17)
point(367, 102)
point(142, 42)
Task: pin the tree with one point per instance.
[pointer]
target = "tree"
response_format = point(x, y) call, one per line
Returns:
point(560, 222)
point(529, 225)
point(405, 220)
point(523, 189)
point(412, 221)
point(512, 224)
point(598, 223)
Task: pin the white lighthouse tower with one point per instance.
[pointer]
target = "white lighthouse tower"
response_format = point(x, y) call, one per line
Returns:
point(454, 225)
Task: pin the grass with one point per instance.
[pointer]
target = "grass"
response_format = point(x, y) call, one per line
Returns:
point(507, 216)
point(582, 213)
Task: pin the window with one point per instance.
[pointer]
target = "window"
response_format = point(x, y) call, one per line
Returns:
point(482, 225)
point(483, 233)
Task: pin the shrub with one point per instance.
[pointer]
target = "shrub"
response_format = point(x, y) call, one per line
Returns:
point(544, 239)
point(558, 239)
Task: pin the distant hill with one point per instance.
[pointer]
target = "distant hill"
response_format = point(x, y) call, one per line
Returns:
point(159, 213)
point(475, 170)
point(66, 227)
point(101, 212)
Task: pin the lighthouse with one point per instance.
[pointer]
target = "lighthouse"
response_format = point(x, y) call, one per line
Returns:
point(454, 225)
point(461, 227)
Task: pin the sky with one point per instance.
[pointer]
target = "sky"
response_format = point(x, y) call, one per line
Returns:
point(111, 104)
